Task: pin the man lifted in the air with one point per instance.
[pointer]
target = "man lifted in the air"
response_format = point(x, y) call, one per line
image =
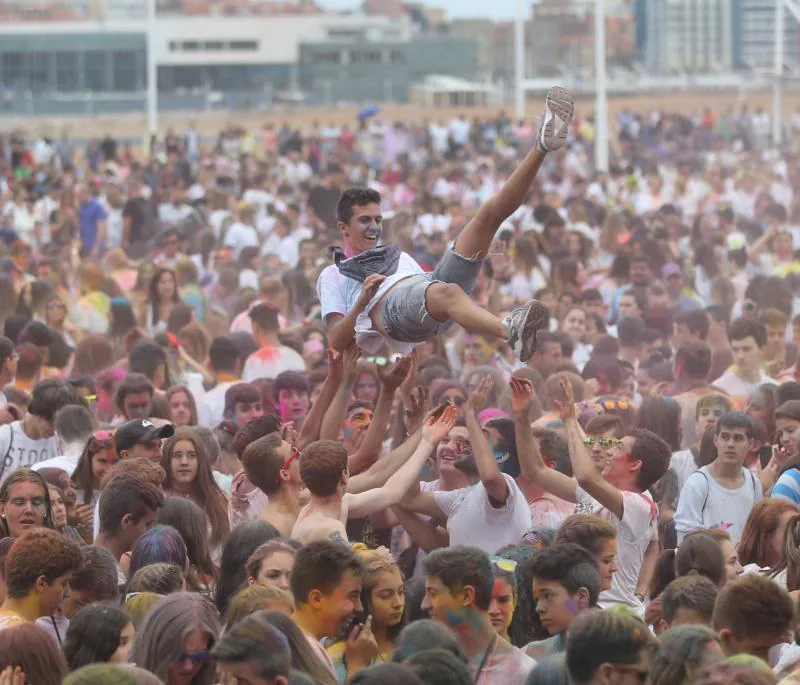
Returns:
point(379, 294)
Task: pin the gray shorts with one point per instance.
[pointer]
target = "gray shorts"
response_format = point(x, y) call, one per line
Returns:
point(405, 313)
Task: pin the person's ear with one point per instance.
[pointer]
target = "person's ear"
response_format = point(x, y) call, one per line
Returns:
point(604, 675)
point(40, 584)
point(551, 464)
point(280, 680)
point(468, 594)
point(250, 581)
point(727, 640)
point(125, 522)
point(660, 626)
point(634, 465)
point(315, 599)
point(582, 599)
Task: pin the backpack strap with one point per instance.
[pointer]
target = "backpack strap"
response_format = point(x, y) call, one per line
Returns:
point(8, 451)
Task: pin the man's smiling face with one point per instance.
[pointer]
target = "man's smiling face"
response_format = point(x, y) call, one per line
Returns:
point(364, 229)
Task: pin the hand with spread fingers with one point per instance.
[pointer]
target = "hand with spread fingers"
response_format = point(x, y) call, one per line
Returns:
point(437, 428)
point(350, 357)
point(393, 377)
point(477, 401)
point(522, 394)
point(566, 407)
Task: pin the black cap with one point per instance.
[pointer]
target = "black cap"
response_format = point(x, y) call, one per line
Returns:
point(141, 430)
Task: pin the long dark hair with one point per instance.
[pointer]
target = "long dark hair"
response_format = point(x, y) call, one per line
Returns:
point(662, 415)
point(192, 523)
point(82, 477)
point(245, 539)
point(303, 657)
point(153, 303)
point(205, 491)
point(86, 644)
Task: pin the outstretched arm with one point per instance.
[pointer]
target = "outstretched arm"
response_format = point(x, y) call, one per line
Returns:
point(399, 483)
point(586, 473)
point(312, 426)
point(337, 411)
point(342, 329)
point(488, 470)
point(531, 463)
point(370, 447)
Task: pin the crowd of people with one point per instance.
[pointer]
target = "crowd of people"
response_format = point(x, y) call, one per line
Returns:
point(429, 402)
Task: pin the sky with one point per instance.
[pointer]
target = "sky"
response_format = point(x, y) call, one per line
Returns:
point(496, 9)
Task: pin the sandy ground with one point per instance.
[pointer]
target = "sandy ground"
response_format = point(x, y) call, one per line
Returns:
point(210, 122)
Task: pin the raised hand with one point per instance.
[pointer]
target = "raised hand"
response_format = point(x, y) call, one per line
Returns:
point(370, 287)
point(350, 357)
point(362, 647)
point(12, 676)
point(435, 429)
point(393, 377)
point(566, 409)
point(407, 386)
point(522, 394)
point(335, 362)
point(480, 396)
point(416, 404)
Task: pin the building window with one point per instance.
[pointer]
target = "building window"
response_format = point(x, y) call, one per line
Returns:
point(95, 70)
point(334, 57)
point(66, 72)
point(243, 45)
point(126, 71)
point(365, 57)
point(12, 69)
point(397, 57)
point(347, 33)
point(39, 70)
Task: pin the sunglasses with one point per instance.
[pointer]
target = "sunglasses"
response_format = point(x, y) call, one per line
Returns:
point(379, 361)
point(194, 657)
point(294, 455)
point(504, 564)
point(457, 400)
point(615, 405)
point(605, 443)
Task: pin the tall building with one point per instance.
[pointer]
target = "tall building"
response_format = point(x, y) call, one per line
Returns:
point(755, 35)
point(685, 36)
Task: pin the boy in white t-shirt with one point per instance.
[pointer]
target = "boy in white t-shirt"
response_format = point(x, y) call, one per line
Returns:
point(490, 514)
point(618, 494)
point(377, 294)
point(722, 494)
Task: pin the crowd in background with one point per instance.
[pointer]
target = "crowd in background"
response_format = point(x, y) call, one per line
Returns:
point(186, 462)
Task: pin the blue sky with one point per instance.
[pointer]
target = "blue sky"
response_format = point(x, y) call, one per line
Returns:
point(497, 9)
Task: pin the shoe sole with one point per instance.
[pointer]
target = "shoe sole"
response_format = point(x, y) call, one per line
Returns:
point(536, 318)
point(562, 105)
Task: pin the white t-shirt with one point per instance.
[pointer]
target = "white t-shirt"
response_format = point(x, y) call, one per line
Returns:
point(239, 236)
point(268, 362)
point(737, 387)
point(17, 449)
point(684, 465)
point(338, 294)
point(637, 527)
point(472, 520)
point(704, 503)
point(212, 407)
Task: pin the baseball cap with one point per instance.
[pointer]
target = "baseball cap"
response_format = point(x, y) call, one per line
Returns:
point(141, 430)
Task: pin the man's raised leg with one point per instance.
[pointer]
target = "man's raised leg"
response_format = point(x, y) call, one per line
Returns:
point(477, 237)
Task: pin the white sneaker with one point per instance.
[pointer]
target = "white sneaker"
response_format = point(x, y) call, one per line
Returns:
point(523, 324)
point(558, 110)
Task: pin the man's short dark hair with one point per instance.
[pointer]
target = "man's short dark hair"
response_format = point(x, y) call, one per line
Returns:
point(6, 349)
point(695, 357)
point(694, 593)
point(720, 314)
point(36, 333)
point(123, 494)
point(255, 641)
point(145, 358)
point(695, 320)
point(569, 565)
point(604, 365)
point(265, 317)
point(747, 328)
point(753, 606)
point(30, 361)
point(629, 331)
point(262, 464)
point(355, 197)
point(653, 452)
point(40, 552)
point(291, 380)
point(439, 666)
point(51, 395)
point(97, 575)
point(459, 567)
point(320, 566)
point(321, 466)
point(133, 384)
point(543, 339)
point(73, 423)
point(736, 419)
point(223, 354)
point(599, 637)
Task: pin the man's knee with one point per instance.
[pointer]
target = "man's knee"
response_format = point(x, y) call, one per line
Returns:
point(441, 296)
